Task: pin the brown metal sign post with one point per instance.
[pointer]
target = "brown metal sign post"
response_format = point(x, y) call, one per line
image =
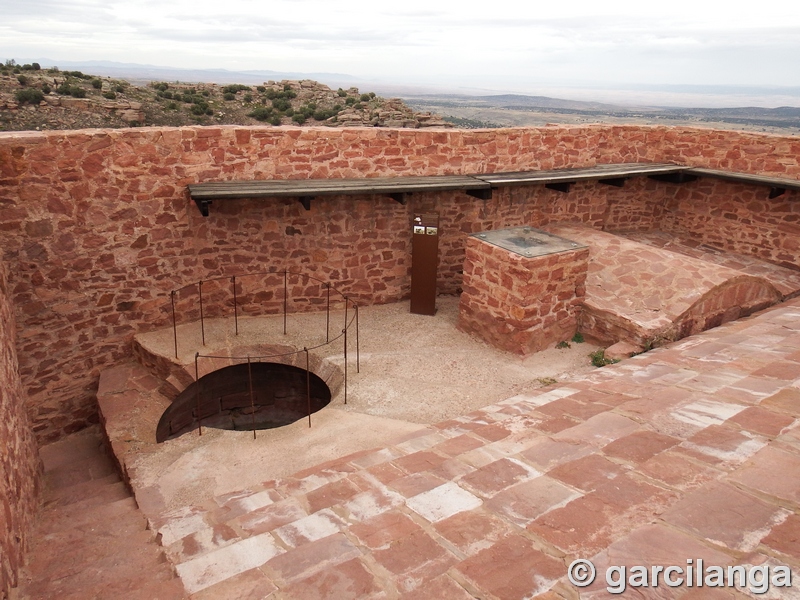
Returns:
point(424, 263)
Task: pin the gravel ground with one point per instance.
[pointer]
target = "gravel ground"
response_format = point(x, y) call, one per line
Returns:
point(414, 370)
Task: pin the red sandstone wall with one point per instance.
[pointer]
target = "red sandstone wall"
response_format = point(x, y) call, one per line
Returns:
point(19, 459)
point(97, 227)
point(739, 218)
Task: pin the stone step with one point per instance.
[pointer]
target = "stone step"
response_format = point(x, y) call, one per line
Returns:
point(100, 491)
point(91, 539)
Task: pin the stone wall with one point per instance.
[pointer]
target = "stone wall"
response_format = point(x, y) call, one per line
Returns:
point(97, 227)
point(19, 459)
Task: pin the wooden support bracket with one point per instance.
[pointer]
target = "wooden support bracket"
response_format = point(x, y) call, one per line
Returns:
point(774, 192)
point(480, 194)
point(614, 181)
point(561, 186)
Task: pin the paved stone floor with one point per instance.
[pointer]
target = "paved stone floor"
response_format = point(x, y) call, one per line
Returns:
point(687, 452)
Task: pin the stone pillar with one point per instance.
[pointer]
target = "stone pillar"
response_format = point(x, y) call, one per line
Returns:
point(522, 302)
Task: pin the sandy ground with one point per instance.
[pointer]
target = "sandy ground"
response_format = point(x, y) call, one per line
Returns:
point(414, 370)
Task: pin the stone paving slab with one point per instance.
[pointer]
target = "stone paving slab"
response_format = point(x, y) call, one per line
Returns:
point(686, 452)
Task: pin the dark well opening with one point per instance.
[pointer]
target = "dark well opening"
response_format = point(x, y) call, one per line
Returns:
point(223, 399)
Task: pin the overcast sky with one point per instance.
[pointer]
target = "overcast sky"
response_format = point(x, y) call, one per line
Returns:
point(496, 44)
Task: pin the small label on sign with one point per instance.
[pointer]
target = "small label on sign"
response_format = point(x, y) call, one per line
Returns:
point(419, 229)
point(431, 230)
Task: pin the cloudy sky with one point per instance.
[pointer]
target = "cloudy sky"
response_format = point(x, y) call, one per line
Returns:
point(497, 44)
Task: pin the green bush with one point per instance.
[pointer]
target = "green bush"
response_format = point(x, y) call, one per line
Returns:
point(161, 86)
point(365, 97)
point(228, 96)
point(261, 89)
point(341, 93)
point(350, 101)
point(276, 120)
point(299, 118)
point(599, 358)
point(110, 95)
point(234, 88)
point(578, 337)
point(29, 96)
point(281, 104)
point(119, 89)
point(36, 67)
point(22, 80)
point(97, 84)
point(261, 113)
point(172, 106)
point(248, 98)
point(46, 89)
point(69, 90)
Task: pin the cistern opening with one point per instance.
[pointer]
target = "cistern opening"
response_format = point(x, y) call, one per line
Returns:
point(247, 396)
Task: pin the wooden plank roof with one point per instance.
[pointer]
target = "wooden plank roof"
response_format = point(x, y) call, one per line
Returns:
point(477, 185)
point(329, 187)
point(613, 171)
point(778, 183)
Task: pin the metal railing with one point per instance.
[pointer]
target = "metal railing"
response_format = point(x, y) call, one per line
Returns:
point(189, 301)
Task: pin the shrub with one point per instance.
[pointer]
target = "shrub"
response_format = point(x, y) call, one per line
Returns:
point(46, 89)
point(248, 98)
point(261, 113)
point(22, 80)
point(341, 93)
point(161, 86)
point(599, 358)
point(119, 89)
point(365, 97)
point(276, 120)
point(36, 67)
point(234, 88)
point(29, 96)
point(69, 90)
point(198, 109)
point(172, 106)
point(261, 89)
point(350, 101)
point(299, 118)
point(372, 95)
point(110, 95)
point(228, 96)
point(97, 84)
point(281, 104)
point(578, 337)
